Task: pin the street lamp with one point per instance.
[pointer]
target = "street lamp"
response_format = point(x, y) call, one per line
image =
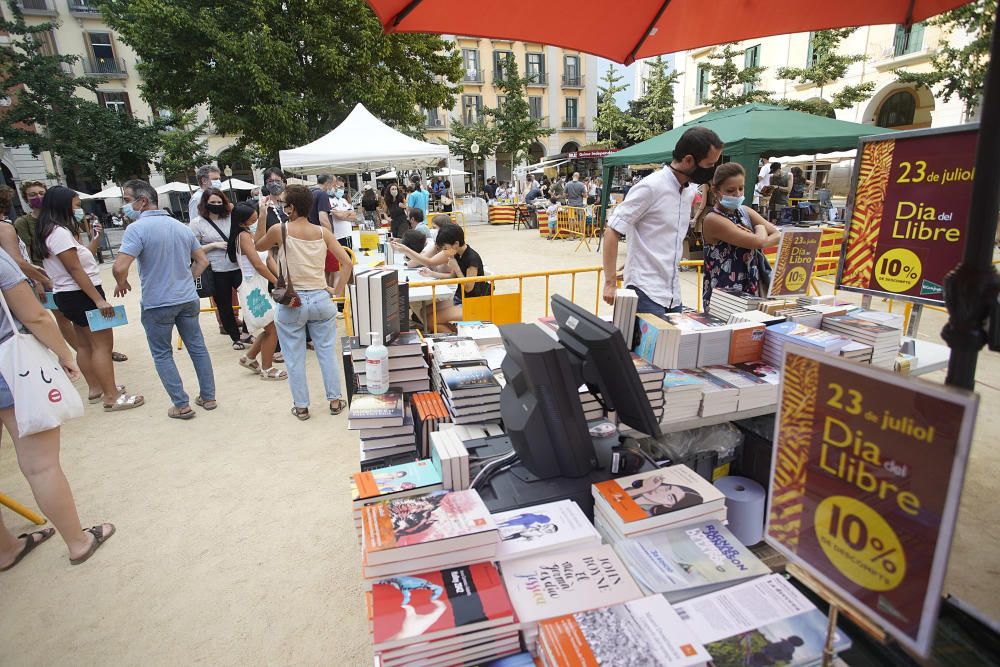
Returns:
point(228, 171)
point(475, 171)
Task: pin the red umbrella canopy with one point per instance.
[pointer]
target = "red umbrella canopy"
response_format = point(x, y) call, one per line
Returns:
point(634, 29)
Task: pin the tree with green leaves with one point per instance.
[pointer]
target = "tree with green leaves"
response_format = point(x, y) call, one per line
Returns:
point(183, 145)
point(827, 66)
point(464, 135)
point(653, 113)
point(731, 86)
point(960, 70)
point(47, 114)
point(281, 73)
point(516, 130)
point(612, 124)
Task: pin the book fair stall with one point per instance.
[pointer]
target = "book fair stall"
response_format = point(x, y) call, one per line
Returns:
point(764, 483)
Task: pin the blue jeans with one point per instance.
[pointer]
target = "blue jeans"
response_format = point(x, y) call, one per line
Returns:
point(318, 316)
point(159, 324)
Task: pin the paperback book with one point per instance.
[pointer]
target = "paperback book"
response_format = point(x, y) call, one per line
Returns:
point(531, 531)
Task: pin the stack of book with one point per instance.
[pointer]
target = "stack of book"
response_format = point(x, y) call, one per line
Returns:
point(452, 616)
point(807, 316)
point(626, 307)
point(756, 317)
point(471, 393)
point(884, 340)
point(381, 422)
point(451, 352)
point(554, 584)
point(857, 352)
point(426, 532)
point(773, 305)
point(407, 366)
point(644, 632)
point(651, 377)
point(428, 412)
point(746, 342)
point(450, 457)
point(764, 621)
point(668, 344)
point(713, 337)
point(726, 302)
point(682, 394)
point(487, 338)
point(682, 563)
point(783, 333)
point(543, 529)
point(718, 397)
point(376, 304)
point(400, 481)
point(753, 391)
point(894, 320)
point(654, 500)
point(762, 371)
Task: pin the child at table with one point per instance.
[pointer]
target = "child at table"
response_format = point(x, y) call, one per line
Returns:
point(553, 211)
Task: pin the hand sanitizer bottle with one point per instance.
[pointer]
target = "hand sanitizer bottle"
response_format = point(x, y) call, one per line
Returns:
point(377, 365)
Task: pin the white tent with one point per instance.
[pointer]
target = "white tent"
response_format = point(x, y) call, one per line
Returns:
point(174, 186)
point(450, 172)
point(388, 176)
point(362, 143)
point(114, 192)
point(237, 184)
point(83, 195)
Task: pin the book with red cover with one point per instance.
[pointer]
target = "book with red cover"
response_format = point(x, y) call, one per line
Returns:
point(417, 608)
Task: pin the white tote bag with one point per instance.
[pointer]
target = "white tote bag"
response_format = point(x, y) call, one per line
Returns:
point(43, 394)
point(256, 305)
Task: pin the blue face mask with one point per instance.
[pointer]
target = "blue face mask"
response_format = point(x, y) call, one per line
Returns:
point(78, 214)
point(340, 192)
point(731, 202)
point(129, 212)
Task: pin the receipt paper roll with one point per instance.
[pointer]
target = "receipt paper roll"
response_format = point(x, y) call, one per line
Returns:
point(746, 502)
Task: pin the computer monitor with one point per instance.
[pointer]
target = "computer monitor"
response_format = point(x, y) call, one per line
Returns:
point(608, 369)
point(541, 406)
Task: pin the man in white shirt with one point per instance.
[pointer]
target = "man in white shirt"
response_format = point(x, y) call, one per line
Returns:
point(655, 217)
point(763, 180)
point(342, 214)
point(208, 177)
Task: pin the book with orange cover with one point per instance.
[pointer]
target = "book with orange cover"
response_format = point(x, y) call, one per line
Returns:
point(746, 342)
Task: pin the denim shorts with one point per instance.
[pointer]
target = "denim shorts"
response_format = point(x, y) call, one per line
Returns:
point(6, 396)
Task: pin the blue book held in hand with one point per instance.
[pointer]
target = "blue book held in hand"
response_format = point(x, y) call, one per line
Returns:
point(50, 301)
point(98, 322)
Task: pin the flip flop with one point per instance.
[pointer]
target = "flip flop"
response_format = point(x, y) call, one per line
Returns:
point(178, 413)
point(30, 542)
point(99, 539)
point(94, 399)
point(210, 404)
point(125, 403)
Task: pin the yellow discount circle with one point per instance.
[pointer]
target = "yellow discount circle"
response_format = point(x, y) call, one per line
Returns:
point(795, 279)
point(860, 543)
point(898, 270)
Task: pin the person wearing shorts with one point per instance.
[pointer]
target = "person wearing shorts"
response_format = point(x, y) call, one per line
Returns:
point(76, 283)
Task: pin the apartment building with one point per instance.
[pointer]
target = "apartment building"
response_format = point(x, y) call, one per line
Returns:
point(641, 74)
point(562, 94)
point(81, 31)
point(886, 48)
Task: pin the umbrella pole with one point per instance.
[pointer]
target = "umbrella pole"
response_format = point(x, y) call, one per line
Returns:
point(971, 289)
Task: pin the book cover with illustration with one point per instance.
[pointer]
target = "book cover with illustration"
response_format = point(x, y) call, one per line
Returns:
point(645, 632)
point(677, 381)
point(765, 621)
point(646, 370)
point(436, 516)
point(746, 343)
point(457, 351)
point(759, 369)
point(378, 406)
point(394, 479)
point(650, 327)
point(417, 608)
point(688, 561)
point(658, 496)
point(709, 321)
point(468, 377)
point(567, 582)
point(808, 336)
point(542, 528)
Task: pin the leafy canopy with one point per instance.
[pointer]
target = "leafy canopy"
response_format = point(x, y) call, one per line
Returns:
point(827, 66)
point(47, 114)
point(613, 125)
point(281, 73)
point(653, 113)
point(183, 146)
point(731, 86)
point(515, 129)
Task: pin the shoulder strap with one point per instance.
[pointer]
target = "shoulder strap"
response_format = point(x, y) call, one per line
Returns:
point(216, 228)
point(14, 328)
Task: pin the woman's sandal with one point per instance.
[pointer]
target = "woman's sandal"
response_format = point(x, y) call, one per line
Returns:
point(278, 358)
point(210, 404)
point(239, 345)
point(340, 403)
point(247, 339)
point(251, 365)
point(94, 399)
point(182, 413)
point(118, 356)
point(301, 414)
point(273, 373)
point(99, 538)
point(125, 403)
point(31, 540)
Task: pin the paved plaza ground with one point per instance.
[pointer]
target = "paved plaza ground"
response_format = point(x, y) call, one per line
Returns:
point(235, 542)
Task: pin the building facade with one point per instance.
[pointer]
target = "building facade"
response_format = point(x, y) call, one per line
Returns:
point(641, 74)
point(886, 48)
point(562, 94)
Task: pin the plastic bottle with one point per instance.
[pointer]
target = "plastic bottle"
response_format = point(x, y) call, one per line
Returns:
point(377, 365)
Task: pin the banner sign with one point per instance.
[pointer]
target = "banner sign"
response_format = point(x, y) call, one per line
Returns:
point(865, 486)
point(579, 155)
point(909, 206)
point(797, 251)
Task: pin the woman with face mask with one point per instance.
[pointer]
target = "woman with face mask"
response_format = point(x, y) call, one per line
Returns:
point(733, 235)
point(211, 229)
point(395, 204)
point(76, 282)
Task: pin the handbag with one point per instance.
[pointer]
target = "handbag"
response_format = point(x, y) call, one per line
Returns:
point(256, 305)
point(205, 283)
point(44, 394)
point(284, 292)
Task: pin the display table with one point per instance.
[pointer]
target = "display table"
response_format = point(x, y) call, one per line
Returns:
point(930, 356)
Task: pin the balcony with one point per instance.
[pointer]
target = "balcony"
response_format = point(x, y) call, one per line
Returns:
point(572, 81)
point(537, 78)
point(37, 7)
point(435, 123)
point(543, 121)
point(113, 68)
point(83, 8)
point(572, 123)
point(473, 76)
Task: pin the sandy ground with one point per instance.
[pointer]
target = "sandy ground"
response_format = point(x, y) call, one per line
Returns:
point(235, 544)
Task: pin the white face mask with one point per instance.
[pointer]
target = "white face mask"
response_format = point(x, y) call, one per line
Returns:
point(216, 183)
point(253, 228)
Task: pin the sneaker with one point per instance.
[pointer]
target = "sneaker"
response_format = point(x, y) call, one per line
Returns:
point(340, 316)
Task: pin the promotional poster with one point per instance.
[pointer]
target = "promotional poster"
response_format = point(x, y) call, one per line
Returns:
point(797, 251)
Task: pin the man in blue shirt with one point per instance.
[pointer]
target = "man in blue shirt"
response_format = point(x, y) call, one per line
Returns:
point(418, 198)
point(170, 258)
